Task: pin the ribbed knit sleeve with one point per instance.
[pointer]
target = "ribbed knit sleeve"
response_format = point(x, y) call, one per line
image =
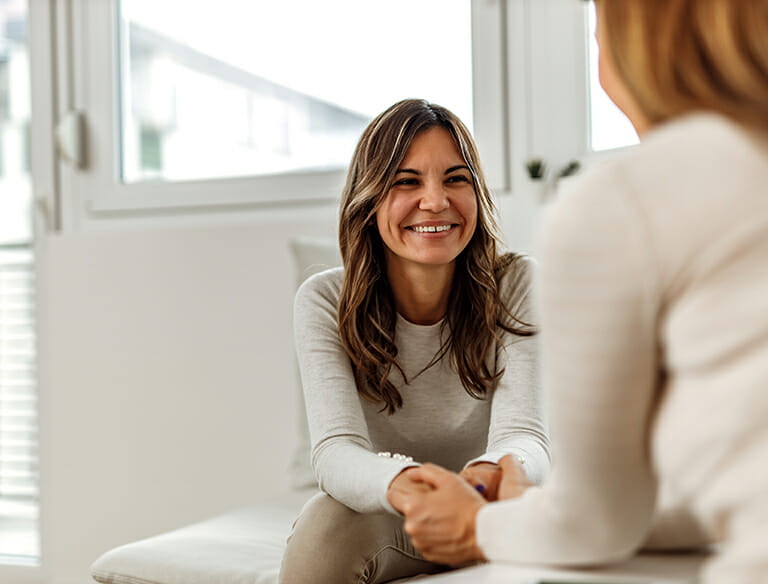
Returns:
point(518, 423)
point(599, 352)
point(346, 467)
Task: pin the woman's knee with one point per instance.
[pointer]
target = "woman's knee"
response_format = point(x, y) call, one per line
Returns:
point(331, 543)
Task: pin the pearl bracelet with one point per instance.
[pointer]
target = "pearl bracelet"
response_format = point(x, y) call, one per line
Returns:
point(396, 456)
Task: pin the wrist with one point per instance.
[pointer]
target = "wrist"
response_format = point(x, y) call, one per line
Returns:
point(478, 551)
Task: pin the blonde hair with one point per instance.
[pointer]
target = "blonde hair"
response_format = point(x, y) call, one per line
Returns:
point(366, 308)
point(680, 56)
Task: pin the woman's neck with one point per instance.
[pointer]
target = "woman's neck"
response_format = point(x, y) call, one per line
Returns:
point(421, 292)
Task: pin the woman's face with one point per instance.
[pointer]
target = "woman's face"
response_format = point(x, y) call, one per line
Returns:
point(430, 213)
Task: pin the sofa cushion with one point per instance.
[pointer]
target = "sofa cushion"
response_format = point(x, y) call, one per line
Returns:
point(314, 254)
point(240, 547)
point(310, 256)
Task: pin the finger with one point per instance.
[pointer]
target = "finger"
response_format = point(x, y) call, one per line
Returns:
point(426, 527)
point(430, 473)
point(431, 546)
point(514, 481)
point(451, 553)
point(399, 500)
point(513, 468)
point(509, 465)
point(409, 472)
point(427, 537)
point(407, 501)
point(492, 487)
point(473, 479)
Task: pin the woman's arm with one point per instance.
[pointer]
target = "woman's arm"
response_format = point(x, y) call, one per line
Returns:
point(342, 454)
point(598, 309)
point(517, 425)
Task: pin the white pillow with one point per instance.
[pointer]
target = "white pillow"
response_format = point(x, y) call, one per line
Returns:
point(314, 254)
point(310, 255)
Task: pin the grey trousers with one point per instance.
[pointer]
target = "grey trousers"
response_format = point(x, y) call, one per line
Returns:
point(332, 544)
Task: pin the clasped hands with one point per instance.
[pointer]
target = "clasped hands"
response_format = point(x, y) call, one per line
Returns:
point(440, 506)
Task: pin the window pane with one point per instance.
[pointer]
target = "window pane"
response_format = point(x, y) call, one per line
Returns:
point(609, 127)
point(18, 402)
point(244, 87)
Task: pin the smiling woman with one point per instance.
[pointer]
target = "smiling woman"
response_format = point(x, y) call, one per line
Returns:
point(422, 345)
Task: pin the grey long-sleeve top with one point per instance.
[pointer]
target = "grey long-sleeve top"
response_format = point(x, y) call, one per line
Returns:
point(439, 421)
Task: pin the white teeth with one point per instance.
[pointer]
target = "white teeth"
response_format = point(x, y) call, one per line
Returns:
point(430, 228)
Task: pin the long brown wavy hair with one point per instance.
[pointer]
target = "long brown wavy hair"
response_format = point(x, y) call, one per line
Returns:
point(476, 314)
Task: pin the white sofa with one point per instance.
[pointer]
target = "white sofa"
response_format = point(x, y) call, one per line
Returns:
point(241, 547)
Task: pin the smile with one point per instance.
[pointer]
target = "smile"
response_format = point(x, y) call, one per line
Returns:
point(429, 228)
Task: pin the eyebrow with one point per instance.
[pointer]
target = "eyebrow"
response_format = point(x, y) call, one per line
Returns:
point(448, 171)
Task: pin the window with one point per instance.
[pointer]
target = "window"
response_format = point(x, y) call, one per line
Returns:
point(18, 400)
point(609, 127)
point(241, 103)
point(241, 88)
point(563, 115)
point(150, 151)
point(18, 407)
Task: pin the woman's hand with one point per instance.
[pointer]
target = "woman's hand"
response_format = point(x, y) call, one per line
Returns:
point(513, 480)
point(402, 486)
point(441, 520)
point(485, 475)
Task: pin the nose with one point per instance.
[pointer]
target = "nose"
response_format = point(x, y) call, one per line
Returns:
point(434, 198)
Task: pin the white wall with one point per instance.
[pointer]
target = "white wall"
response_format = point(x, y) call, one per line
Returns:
point(168, 386)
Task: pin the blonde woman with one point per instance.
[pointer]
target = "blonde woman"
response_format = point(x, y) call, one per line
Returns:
point(654, 318)
point(421, 349)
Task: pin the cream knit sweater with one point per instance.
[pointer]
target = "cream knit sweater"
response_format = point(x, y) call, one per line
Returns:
point(654, 311)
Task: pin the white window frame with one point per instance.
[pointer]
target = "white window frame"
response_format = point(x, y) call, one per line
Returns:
point(44, 184)
point(88, 83)
point(556, 64)
point(549, 84)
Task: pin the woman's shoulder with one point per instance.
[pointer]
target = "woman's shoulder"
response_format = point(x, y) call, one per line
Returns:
point(677, 155)
point(678, 166)
point(706, 133)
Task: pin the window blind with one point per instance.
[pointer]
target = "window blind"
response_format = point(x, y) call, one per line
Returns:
point(18, 403)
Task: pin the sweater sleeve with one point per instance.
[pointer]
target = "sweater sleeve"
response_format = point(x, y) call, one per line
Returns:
point(342, 454)
point(597, 303)
point(517, 424)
